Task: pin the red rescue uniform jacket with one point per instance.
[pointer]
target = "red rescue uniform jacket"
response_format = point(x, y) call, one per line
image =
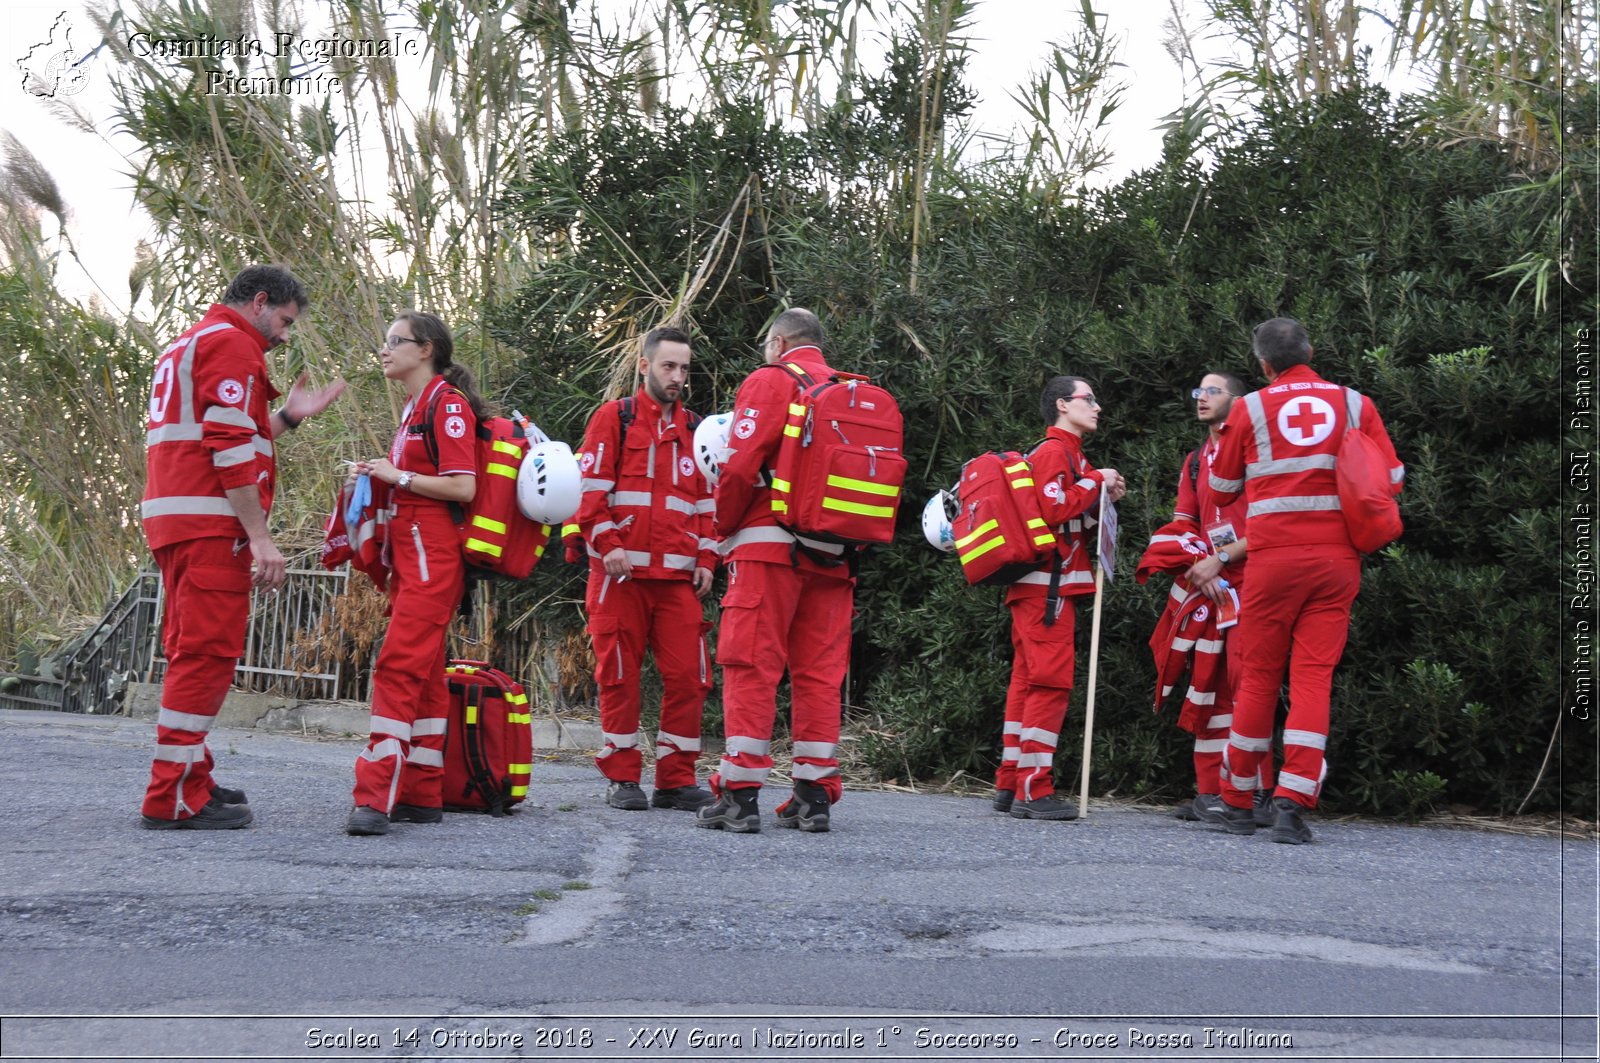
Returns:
point(1197, 502)
point(454, 431)
point(745, 520)
point(1278, 451)
point(210, 430)
point(645, 494)
point(1068, 489)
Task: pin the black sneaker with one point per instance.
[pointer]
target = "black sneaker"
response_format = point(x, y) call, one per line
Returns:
point(214, 816)
point(1185, 812)
point(626, 796)
point(366, 820)
point(1265, 814)
point(416, 814)
point(1047, 807)
point(682, 798)
point(735, 811)
point(806, 809)
point(1288, 827)
point(228, 796)
point(1233, 820)
point(1003, 800)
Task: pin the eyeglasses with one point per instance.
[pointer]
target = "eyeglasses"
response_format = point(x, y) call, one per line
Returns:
point(391, 342)
point(1088, 400)
point(1208, 392)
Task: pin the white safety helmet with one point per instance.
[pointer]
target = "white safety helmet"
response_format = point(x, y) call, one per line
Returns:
point(936, 526)
point(711, 444)
point(549, 484)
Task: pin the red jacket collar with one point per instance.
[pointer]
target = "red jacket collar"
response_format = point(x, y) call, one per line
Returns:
point(1295, 374)
point(808, 358)
point(1074, 442)
point(221, 312)
point(649, 410)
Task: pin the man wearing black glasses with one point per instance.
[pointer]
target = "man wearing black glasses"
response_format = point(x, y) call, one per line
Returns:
point(1068, 490)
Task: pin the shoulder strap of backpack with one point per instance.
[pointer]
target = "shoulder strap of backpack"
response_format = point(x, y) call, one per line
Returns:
point(1192, 463)
point(1352, 409)
point(430, 442)
point(625, 409)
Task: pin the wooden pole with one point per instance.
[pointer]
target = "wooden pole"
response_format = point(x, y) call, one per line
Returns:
point(1094, 668)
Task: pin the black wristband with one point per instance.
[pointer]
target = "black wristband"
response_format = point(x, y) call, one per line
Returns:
point(288, 422)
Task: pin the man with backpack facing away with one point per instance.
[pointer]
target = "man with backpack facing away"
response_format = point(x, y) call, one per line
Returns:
point(1208, 706)
point(645, 519)
point(789, 603)
point(1068, 490)
point(1279, 451)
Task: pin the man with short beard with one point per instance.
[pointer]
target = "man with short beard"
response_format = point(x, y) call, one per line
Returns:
point(646, 523)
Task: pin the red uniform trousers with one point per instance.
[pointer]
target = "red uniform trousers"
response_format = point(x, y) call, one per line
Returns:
point(1211, 737)
point(404, 759)
point(1296, 612)
point(665, 615)
point(777, 615)
point(1036, 699)
point(207, 587)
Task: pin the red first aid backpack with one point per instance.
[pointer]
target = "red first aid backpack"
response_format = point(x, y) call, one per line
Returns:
point(1001, 535)
point(1366, 494)
point(840, 467)
point(495, 536)
point(488, 752)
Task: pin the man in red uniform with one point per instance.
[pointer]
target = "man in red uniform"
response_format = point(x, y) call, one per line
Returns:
point(646, 521)
point(1278, 451)
point(1068, 490)
point(789, 603)
point(1223, 528)
point(210, 473)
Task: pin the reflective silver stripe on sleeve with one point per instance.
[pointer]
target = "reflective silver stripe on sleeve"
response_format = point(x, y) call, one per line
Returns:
point(603, 526)
point(389, 747)
point(737, 744)
point(1038, 734)
point(1249, 745)
point(813, 772)
point(620, 741)
point(1216, 723)
point(679, 505)
point(590, 484)
point(1087, 483)
point(1200, 697)
point(679, 562)
point(226, 459)
point(187, 506)
point(731, 772)
point(1298, 783)
point(1183, 645)
point(1397, 474)
point(385, 725)
point(1310, 739)
point(1258, 425)
point(432, 725)
point(1210, 745)
point(181, 754)
point(707, 545)
point(1283, 465)
point(631, 498)
point(184, 721)
point(1230, 486)
point(1208, 645)
point(706, 505)
point(638, 558)
point(428, 758)
point(229, 415)
point(816, 750)
point(1292, 504)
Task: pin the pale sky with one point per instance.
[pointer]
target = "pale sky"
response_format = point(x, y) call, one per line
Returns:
point(105, 224)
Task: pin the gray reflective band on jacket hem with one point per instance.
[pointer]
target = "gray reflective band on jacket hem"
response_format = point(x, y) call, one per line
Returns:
point(187, 506)
point(1292, 504)
point(1283, 465)
point(631, 498)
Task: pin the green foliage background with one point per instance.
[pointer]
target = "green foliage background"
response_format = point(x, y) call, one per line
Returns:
point(1339, 211)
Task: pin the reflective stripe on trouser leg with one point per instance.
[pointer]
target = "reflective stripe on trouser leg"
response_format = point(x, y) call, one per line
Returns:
point(1209, 742)
point(1320, 629)
point(408, 683)
point(618, 621)
point(1005, 776)
point(202, 635)
point(759, 603)
point(676, 633)
point(819, 635)
point(1042, 664)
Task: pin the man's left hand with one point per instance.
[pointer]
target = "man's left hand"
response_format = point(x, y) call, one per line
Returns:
point(702, 582)
point(303, 402)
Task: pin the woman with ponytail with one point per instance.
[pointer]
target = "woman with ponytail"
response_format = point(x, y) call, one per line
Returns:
point(431, 472)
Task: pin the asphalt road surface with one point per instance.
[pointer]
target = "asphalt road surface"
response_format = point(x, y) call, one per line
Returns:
point(921, 927)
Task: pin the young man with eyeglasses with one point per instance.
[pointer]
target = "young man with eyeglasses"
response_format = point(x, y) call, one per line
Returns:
point(1219, 531)
point(1068, 490)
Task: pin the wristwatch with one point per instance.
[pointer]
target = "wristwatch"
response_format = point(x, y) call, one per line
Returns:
point(404, 484)
point(1222, 555)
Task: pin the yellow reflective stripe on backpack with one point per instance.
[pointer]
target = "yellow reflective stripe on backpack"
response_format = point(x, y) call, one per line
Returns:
point(828, 502)
point(496, 469)
point(507, 448)
point(485, 548)
point(488, 524)
point(866, 487)
point(998, 540)
point(983, 529)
